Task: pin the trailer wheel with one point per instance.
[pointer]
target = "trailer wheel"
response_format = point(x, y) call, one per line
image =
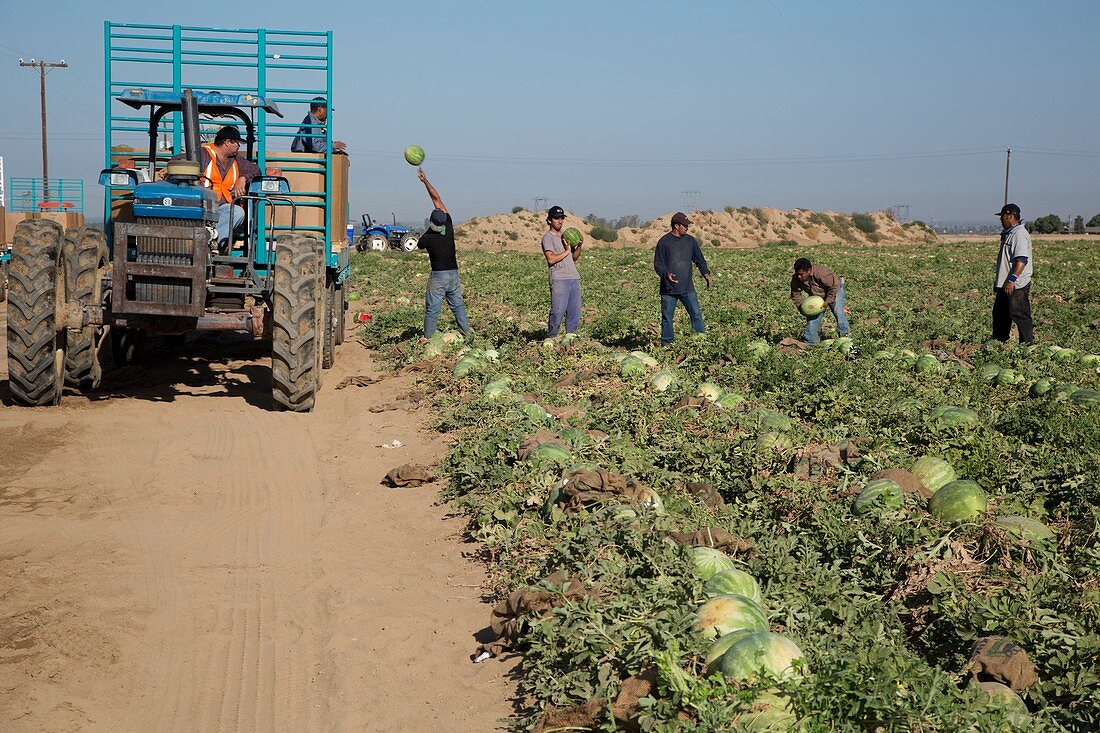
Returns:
point(36, 302)
point(295, 341)
point(409, 241)
point(330, 326)
point(85, 255)
point(341, 312)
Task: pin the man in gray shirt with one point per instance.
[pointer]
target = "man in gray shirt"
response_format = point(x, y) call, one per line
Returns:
point(565, 281)
point(1012, 284)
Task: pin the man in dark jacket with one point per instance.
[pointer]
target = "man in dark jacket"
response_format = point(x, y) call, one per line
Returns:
point(673, 258)
point(810, 279)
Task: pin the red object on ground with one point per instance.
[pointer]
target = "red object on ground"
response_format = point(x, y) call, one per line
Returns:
point(365, 317)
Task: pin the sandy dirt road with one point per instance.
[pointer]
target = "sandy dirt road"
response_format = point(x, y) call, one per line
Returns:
point(176, 557)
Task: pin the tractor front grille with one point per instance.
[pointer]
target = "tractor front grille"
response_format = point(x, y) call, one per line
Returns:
point(163, 265)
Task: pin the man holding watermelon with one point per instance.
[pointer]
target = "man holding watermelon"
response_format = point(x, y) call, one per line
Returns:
point(818, 280)
point(562, 250)
point(673, 258)
point(1012, 283)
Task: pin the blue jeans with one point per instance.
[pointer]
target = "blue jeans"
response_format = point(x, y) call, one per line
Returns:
point(229, 218)
point(444, 284)
point(812, 334)
point(565, 303)
point(668, 310)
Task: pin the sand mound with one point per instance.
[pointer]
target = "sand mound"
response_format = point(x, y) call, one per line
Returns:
point(732, 228)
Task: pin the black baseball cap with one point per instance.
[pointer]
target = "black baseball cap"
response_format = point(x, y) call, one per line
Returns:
point(681, 218)
point(1009, 209)
point(555, 212)
point(228, 133)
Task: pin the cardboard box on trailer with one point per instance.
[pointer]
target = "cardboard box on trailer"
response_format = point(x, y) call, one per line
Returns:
point(305, 173)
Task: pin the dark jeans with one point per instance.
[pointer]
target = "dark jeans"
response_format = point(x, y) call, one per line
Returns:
point(668, 310)
point(565, 303)
point(1009, 309)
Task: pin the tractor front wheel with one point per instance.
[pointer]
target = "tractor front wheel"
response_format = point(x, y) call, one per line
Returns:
point(409, 241)
point(85, 255)
point(36, 307)
point(377, 243)
point(295, 341)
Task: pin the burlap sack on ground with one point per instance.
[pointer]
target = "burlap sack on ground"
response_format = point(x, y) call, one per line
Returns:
point(909, 483)
point(587, 716)
point(714, 537)
point(508, 618)
point(407, 402)
point(815, 459)
point(791, 346)
point(706, 492)
point(410, 474)
point(997, 659)
point(585, 489)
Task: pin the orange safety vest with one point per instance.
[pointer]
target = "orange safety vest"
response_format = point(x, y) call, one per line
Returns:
point(212, 177)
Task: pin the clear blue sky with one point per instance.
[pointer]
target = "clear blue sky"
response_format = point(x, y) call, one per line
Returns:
point(618, 107)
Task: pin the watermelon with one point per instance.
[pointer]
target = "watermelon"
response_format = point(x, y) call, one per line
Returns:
point(844, 344)
point(709, 391)
point(759, 654)
point(550, 453)
point(775, 422)
point(958, 416)
point(758, 348)
point(773, 441)
point(414, 155)
point(769, 713)
point(908, 404)
point(620, 356)
point(1090, 360)
point(1064, 391)
point(933, 472)
point(719, 647)
point(734, 581)
point(729, 400)
point(812, 306)
point(1066, 355)
point(452, 337)
point(497, 388)
point(826, 343)
point(989, 373)
point(571, 236)
point(709, 562)
point(1008, 377)
point(927, 364)
point(646, 359)
point(573, 436)
point(1041, 386)
point(534, 412)
point(465, 365)
point(1004, 697)
point(883, 355)
point(879, 495)
point(631, 367)
point(958, 501)
point(1085, 397)
point(1025, 530)
point(723, 614)
point(662, 381)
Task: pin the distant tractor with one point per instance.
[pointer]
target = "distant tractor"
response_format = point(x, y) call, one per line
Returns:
point(380, 237)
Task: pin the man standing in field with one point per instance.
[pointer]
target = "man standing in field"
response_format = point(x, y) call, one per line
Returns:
point(565, 281)
point(1012, 283)
point(676, 252)
point(810, 279)
point(439, 240)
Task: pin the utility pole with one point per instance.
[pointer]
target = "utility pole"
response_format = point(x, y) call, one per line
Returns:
point(1008, 161)
point(42, 66)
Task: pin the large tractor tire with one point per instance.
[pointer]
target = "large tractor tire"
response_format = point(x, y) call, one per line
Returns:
point(295, 337)
point(341, 312)
point(409, 241)
point(36, 307)
point(85, 255)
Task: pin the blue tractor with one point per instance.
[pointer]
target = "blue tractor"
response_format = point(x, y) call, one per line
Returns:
point(82, 298)
point(379, 237)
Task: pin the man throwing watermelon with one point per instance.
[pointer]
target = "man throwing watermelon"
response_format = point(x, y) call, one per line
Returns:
point(810, 279)
point(673, 258)
point(562, 254)
point(439, 240)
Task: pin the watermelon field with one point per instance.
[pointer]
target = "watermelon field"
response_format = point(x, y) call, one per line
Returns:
point(897, 532)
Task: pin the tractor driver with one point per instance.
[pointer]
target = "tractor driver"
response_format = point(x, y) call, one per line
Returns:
point(229, 175)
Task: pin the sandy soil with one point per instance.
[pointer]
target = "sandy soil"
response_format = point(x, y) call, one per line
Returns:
point(175, 557)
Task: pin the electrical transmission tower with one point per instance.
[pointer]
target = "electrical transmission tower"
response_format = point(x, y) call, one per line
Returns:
point(901, 212)
point(43, 68)
point(540, 202)
point(690, 198)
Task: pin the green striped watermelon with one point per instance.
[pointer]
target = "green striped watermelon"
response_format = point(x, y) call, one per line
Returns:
point(879, 495)
point(958, 501)
point(933, 472)
point(571, 236)
point(927, 364)
point(759, 655)
point(719, 647)
point(1085, 397)
point(1025, 530)
point(734, 581)
point(709, 562)
point(414, 155)
point(723, 614)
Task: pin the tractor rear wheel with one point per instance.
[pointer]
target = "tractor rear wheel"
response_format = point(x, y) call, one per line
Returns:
point(295, 340)
point(409, 241)
point(328, 357)
point(85, 255)
point(377, 243)
point(36, 307)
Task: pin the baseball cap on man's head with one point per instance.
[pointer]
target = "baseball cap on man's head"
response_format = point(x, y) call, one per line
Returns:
point(555, 212)
point(437, 222)
point(681, 218)
point(228, 133)
point(1009, 209)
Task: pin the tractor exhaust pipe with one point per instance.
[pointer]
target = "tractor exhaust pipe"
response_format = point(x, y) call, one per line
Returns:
point(190, 111)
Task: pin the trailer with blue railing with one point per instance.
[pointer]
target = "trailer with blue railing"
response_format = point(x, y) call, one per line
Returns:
point(275, 270)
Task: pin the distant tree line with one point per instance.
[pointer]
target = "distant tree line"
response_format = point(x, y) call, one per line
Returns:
point(1053, 224)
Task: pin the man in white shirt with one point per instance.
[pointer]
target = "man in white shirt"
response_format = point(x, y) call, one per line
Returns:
point(1012, 284)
